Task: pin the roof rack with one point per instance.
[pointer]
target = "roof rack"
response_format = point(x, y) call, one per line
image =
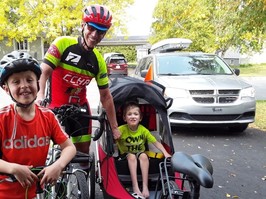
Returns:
point(169, 45)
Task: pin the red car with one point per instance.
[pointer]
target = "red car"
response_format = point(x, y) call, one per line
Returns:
point(117, 65)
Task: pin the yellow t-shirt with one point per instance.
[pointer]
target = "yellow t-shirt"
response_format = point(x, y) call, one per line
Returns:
point(134, 141)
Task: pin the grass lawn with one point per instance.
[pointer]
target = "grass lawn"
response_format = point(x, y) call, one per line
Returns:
point(260, 118)
point(252, 70)
point(256, 70)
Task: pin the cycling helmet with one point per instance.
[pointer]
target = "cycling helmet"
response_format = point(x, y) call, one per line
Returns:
point(97, 16)
point(15, 62)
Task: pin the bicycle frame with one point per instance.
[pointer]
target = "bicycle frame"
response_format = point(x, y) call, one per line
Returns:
point(195, 170)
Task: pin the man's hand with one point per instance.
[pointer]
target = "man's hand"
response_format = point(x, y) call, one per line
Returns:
point(116, 133)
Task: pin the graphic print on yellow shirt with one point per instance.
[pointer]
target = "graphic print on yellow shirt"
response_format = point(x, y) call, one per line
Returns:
point(134, 141)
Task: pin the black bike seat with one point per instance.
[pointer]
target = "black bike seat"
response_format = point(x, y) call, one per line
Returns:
point(193, 167)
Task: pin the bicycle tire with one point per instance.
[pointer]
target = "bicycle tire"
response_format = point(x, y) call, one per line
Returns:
point(173, 189)
point(191, 188)
point(194, 192)
point(77, 186)
point(91, 178)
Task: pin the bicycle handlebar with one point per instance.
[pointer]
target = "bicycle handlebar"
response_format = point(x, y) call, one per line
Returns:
point(11, 178)
point(71, 110)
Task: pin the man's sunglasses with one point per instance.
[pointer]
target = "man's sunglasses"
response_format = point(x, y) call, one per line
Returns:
point(91, 29)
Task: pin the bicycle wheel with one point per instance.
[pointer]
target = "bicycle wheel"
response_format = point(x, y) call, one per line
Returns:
point(174, 191)
point(190, 188)
point(77, 187)
point(56, 192)
point(91, 177)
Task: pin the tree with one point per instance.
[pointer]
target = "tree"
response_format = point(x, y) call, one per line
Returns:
point(252, 25)
point(49, 19)
point(212, 25)
point(129, 51)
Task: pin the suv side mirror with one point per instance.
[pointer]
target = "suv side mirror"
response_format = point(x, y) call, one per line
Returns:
point(143, 73)
point(237, 71)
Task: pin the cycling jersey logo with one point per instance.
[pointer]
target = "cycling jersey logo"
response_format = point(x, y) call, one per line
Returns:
point(53, 50)
point(24, 142)
point(73, 58)
point(76, 80)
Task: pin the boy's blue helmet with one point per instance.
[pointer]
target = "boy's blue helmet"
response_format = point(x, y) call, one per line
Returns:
point(16, 62)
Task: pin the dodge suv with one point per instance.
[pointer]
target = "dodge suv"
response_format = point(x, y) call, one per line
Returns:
point(205, 90)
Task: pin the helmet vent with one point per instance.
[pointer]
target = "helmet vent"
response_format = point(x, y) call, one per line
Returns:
point(87, 12)
point(108, 15)
point(101, 12)
point(94, 11)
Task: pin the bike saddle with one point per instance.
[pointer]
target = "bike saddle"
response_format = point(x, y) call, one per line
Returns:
point(196, 166)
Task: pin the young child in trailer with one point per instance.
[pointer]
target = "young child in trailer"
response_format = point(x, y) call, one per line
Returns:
point(131, 145)
point(26, 130)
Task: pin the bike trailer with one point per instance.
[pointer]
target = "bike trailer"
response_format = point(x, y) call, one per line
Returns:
point(112, 173)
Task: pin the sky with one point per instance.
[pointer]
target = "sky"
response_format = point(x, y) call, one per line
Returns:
point(141, 17)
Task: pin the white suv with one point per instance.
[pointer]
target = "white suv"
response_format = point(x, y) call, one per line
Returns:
point(205, 90)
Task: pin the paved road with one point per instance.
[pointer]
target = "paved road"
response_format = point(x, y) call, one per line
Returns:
point(239, 161)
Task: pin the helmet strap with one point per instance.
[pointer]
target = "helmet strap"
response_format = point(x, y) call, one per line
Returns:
point(84, 40)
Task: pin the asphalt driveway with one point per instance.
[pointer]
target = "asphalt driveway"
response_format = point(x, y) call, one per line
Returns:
point(239, 160)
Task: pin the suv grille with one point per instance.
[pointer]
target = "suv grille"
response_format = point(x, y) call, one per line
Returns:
point(214, 96)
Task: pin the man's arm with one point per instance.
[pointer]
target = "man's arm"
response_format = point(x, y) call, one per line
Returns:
point(108, 104)
point(46, 73)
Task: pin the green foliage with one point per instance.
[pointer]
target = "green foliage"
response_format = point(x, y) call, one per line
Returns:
point(212, 25)
point(128, 51)
point(49, 19)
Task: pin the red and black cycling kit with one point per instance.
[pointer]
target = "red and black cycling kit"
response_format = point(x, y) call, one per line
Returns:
point(74, 67)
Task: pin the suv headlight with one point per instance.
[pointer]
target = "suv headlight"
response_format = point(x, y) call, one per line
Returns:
point(176, 93)
point(247, 92)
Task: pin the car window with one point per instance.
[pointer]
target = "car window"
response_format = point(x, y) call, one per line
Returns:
point(117, 61)
point(143, 65)
point(189, 65)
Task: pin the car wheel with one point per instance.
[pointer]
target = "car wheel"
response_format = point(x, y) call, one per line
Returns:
point(238, 128)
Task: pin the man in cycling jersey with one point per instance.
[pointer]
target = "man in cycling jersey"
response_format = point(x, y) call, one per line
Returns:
point(70, 64)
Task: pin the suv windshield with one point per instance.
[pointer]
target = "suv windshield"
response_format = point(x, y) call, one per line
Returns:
point(191, 65)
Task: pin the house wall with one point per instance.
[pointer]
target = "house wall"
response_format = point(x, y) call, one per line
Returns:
point(4, 48)
point(234, 57)
point(35, 48)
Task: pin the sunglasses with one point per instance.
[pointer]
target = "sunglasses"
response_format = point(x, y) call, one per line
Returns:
point(99, 32)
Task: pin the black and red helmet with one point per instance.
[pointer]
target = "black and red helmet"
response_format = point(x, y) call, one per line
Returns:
point(97, 16)
point(16, 62)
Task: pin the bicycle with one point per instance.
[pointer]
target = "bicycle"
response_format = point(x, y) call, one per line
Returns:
point(70, 185)
point(76, 180)
point(195, 171)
